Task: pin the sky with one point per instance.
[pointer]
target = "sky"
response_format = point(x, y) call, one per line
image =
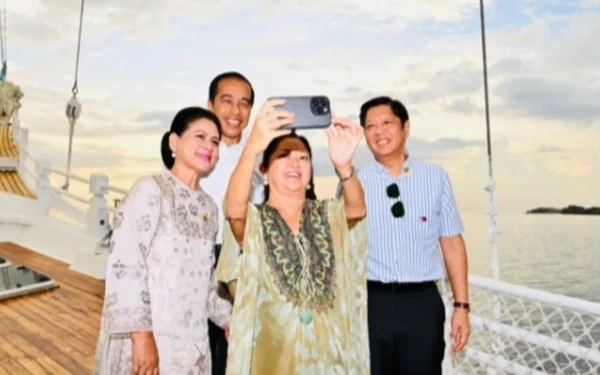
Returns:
point(142, 61)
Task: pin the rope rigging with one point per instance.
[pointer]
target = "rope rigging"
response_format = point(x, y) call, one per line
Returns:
point(3, 41)
point(75, 89)
point(493, 229)
point(73, 110)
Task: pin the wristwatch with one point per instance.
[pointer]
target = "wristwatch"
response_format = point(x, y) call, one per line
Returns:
point(346, 178)
point(462, 305)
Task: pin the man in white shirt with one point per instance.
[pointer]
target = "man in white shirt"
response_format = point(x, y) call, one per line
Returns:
point(230, 97)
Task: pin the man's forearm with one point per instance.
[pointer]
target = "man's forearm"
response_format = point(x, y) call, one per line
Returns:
point(455, 258)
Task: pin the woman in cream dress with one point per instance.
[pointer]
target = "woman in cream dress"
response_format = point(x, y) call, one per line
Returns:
point(299, 282)
point(160, 288)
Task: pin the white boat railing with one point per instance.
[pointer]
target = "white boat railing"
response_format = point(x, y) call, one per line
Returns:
point(519, 330)
point(42, 179)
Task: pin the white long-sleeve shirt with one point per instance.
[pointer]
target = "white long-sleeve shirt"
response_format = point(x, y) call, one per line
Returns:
point(216, 183)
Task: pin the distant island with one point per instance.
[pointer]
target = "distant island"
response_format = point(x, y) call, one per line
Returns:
point(569, 210)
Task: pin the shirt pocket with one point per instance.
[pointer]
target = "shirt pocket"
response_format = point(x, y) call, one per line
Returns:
point(427, 223)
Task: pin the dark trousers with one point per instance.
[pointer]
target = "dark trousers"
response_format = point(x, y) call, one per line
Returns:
point(218, 343)
point(406, 328)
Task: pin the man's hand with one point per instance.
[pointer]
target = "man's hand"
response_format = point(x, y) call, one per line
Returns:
point(144, 354)
point(461, 329)
point(455, 258)
point(227, 330)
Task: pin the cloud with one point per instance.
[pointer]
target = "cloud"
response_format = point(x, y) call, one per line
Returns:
point(463, 78)
point(417, 85)
point(572, 165)
point(577, 48)
point(140, 63)
point(384, 13)
point(88, 128)
point(550, 149)
point(43, 113)
point(463, 105)
point(551, 44)
point(352, 90)
point(548, 99)
point(163, 118)
point(591, 3)
point(508, 66)
point(42, 24)
point(432, 151)
point(90, 156)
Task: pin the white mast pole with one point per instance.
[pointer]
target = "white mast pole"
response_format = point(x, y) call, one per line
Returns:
point(491, 186)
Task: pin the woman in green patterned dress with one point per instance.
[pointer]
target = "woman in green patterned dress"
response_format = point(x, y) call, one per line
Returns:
point(299, 285)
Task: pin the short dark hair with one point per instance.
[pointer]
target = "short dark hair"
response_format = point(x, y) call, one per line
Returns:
point(214, 85)
point(181, 122)
point(398, 108)
point(272, 147)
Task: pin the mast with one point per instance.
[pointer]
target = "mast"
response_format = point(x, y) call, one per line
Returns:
point(491, 186)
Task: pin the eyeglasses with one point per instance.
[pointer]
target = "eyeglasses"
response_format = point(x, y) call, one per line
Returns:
point(393, 192)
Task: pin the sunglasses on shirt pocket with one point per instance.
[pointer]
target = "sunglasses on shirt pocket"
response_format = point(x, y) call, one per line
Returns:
point(393, 192)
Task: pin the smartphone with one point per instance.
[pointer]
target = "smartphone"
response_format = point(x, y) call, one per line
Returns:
point(311, 112)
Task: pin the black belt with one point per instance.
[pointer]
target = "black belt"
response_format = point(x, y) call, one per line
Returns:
point(401, 287)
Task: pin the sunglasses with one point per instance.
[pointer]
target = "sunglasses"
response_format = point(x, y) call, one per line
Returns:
point(393, 192)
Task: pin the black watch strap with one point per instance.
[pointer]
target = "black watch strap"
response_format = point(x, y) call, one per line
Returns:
point(347, 177)
point(462, 305)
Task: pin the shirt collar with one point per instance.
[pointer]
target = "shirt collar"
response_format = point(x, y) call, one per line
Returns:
point(407, 166)
point(241, 143)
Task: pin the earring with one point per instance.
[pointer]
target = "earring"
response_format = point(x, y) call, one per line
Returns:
point(308, 187)
point(173, 155)
point(265, 181)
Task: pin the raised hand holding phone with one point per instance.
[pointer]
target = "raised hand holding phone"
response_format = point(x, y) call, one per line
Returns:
point(269, 125)
point(344, 137)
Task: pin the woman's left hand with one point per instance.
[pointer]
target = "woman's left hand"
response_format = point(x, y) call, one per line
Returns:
point(344, 137)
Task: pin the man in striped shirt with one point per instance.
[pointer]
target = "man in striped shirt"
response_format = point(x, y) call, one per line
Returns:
point(411, 214)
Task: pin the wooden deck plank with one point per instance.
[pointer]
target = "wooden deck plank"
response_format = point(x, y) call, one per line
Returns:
point(29, 360)
point(33, 367)
point(81, 319)
point(28, 320)
point(51, 344)
point(3, 354)
point(11, 366)
point(51, 332)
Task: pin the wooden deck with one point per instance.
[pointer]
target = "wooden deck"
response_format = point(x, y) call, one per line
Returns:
point(7, 147)
point(11, 182)
point(52, 332)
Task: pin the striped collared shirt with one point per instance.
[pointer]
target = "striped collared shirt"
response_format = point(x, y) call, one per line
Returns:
point(407, 249)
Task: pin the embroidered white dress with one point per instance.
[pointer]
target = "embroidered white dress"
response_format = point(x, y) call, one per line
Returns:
point(159, 278)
